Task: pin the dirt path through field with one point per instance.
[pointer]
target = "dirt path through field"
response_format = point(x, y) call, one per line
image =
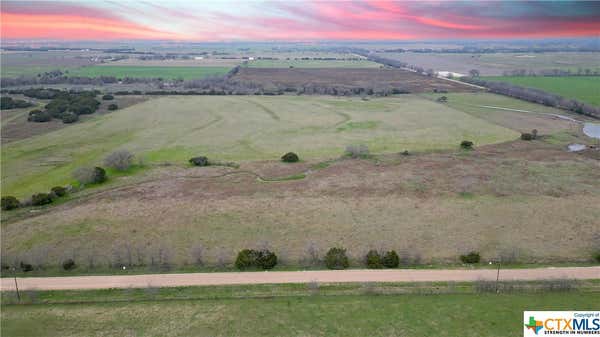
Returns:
point(567, 118)
point(321, 276)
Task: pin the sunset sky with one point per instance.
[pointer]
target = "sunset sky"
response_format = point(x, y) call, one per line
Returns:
point(296, 20)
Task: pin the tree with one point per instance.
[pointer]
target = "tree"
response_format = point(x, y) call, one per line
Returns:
point(466, 144)
point(246, 258)
point(250, 258)
point(113, 107)
point(336, 258)
point(266, 259)
point(69, 117)
point(373, 260)
point(391, 259)
point(69, 264)
point(199, 161)
point(474, 73)
point(290, 157)
point(119, 160)
point(472, 257)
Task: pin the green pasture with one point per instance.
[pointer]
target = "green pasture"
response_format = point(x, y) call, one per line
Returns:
point(186, 73)
point(235, 128)
point(582, 88)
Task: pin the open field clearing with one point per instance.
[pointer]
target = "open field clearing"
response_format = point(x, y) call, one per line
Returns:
point(15, 64)
point(429, 207)
point(233, 128)
point(15, 125)
point(349, 77)
point(275, 310)
point(583, 88)
point(541, 117)
point(313, 64)
point(495, 64)
point(205, 62)
point(187, 73)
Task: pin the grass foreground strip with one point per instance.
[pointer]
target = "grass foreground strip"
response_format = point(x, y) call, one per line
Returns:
point(277, 310)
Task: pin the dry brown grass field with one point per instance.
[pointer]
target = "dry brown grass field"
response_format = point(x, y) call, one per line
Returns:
point(529, 201)
point(495, 64)
point(349, 77)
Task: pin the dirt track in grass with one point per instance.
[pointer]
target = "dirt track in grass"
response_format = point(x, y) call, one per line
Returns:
point(320, 276)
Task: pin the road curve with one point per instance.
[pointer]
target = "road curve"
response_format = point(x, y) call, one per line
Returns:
point(322, 276)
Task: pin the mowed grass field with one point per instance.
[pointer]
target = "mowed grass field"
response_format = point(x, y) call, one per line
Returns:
point(173, 129)
point(582, 88)
point(313, 64)
point(165, 72)
point(332, 310)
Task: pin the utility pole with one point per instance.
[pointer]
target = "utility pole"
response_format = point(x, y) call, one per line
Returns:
point(17, 288)
point(498, 276)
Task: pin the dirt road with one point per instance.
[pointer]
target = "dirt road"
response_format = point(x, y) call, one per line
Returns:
point(322, 276)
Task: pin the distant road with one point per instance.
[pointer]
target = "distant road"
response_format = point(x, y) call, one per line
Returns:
point(272, 277)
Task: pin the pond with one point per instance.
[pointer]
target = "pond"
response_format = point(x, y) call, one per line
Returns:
point(576, 147)
point(592, 130)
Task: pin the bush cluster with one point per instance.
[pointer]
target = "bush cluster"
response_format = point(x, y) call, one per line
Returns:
point(69, 264)
point(69, 117)
point(7, 103)
point(251, 258)
point(470, 258)
point(10, 202)
point(597, 256)
point(65, 105)
point(26, 267)
point(113, 107)
point(336, 258)
point(90, 175)
point(526, 136)
point(108, 97)
point(466, 144)
point(39, 116)
point(199, 161)
point(59, 191)
point(290, 157)
point(40, 199)
point(375, 260)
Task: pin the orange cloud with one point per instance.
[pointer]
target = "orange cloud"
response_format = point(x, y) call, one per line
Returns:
point(76, 27)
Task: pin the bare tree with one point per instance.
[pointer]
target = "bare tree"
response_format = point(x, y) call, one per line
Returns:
point(312, 254)
point(197, 253)
point(356, 151)
point(119, 160)
point(474, 73)
point(84, 175)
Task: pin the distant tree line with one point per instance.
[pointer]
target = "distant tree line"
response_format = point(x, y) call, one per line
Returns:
point(552, 72)
point(58, 77)
point(536, 96)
